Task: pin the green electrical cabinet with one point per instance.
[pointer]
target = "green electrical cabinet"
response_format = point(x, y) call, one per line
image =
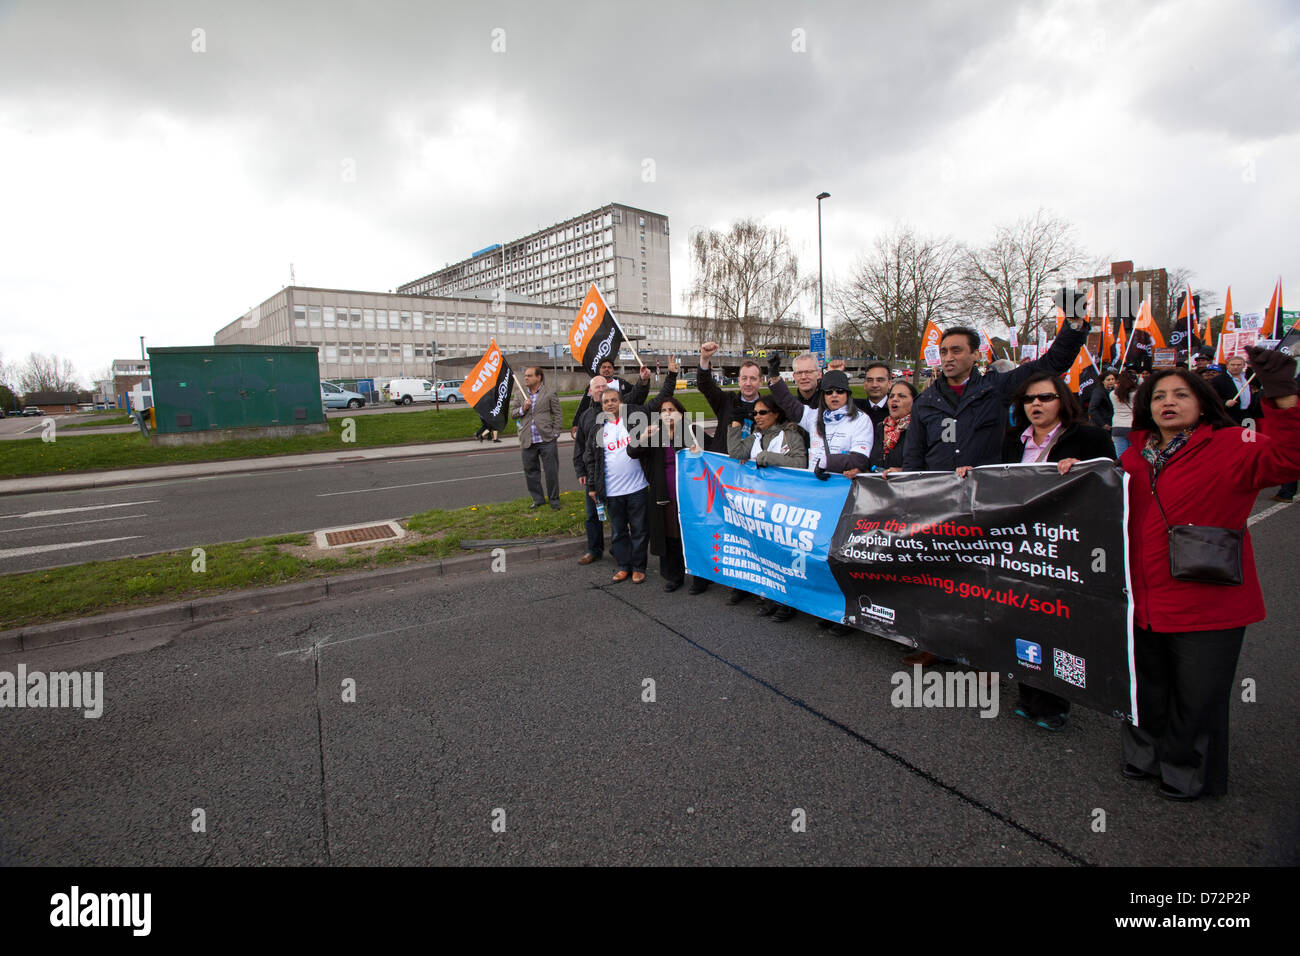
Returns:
point(219, 387)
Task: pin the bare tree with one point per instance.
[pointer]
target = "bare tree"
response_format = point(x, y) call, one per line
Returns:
point(1012, 278)
point(893, 291)
point(747, 284)
point(48, 373)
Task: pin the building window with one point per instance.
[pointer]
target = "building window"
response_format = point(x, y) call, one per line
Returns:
point(408, 353)
point(314, 316)
point(406, 321)
point(300, 316)
point(417, 320)
point(345, 355)
point(381, 318)
point(383, 352)
point(369, 315)
point(331, 353)
point(439, 324)
point(356, 318)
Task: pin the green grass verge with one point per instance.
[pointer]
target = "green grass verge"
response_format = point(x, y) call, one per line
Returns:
point(32, 456)
point(99, 587)
point(119, 420)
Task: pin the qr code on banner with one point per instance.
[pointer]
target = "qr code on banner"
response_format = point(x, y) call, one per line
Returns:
point(1069, 668)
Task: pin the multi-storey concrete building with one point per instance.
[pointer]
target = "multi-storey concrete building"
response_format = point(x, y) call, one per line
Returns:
point(622, 249)
point(381, 336)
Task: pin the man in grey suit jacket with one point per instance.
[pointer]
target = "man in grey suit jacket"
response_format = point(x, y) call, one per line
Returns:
point(540, 418)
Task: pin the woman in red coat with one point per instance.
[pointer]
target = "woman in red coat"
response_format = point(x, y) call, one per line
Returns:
point(1187, 635)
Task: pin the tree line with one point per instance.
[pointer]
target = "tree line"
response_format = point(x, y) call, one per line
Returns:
point(748, 286)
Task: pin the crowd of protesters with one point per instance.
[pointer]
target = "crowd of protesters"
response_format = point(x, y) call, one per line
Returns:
point(1176, 432)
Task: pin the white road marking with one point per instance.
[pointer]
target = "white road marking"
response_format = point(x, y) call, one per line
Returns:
point(417, 484)
point(42, 548)
point(64, 511)
point(65, 524)
point(1266, 512)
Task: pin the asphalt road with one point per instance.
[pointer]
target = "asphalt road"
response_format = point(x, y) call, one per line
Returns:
point(69, 527)
point(521, 694)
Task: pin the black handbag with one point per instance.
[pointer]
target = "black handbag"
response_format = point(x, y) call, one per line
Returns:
point(1202, 553)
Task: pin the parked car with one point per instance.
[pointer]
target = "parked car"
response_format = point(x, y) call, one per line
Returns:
point(31, 411)
point(404, 391)
point(449, 391)
point(335, 396)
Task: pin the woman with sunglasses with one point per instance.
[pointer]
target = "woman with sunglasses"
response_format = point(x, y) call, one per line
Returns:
point(1049, 425)
point(775, 441)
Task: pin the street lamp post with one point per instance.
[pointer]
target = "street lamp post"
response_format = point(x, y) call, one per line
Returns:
point(821, 299)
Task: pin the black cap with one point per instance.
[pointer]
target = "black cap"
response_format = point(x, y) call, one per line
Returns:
point(835, 379)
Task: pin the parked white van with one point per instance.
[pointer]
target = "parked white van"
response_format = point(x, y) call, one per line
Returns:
point(404, 391)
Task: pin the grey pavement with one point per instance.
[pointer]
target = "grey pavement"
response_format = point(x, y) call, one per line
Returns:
point(521, 694)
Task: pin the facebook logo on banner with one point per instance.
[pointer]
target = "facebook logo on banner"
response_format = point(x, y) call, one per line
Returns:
point(1029, 652)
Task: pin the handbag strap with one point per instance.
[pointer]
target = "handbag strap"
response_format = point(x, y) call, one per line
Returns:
point(1155, 494)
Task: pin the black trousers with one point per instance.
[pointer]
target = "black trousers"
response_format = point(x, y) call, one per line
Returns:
point(595, 528)
point(672, 563)
point(1184, 684)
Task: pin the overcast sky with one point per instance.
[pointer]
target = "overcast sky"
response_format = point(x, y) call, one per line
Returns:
point(159, 181)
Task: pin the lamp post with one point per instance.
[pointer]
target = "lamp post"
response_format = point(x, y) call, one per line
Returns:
point(821, 299)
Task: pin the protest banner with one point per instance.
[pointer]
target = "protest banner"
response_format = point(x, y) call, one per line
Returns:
point(1015, 568)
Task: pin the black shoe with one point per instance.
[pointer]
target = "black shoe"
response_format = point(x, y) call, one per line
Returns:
point(765, 607)
point(698, 586)
point(555, 505)
point(535, 505)
point(736, 596)
point(823, 624)
point(1131, 772)
point(671, 586)
point(839, 630)
point(1172, 793)
point(783, 613)
point(1051, 722)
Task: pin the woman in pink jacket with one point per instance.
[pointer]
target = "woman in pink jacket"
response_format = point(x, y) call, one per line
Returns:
point(1205, 471)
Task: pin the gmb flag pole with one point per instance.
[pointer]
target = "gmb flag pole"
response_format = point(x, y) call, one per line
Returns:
point(595, 334)
point(487, 387)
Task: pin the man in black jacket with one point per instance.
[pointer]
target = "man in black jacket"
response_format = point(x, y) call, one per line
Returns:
point(876, 380)
point(1239, 395)
point(587, 420)
point(728, 406)
point(961, 418)
point(627, 392)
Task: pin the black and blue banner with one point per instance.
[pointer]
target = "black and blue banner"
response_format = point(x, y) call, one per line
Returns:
point(1015, 568)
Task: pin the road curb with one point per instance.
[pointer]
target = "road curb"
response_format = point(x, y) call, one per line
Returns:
point(219, 606)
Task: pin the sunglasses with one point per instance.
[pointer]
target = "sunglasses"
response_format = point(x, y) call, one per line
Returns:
point(763, 411)
point(1043, 397)
point(837, 391)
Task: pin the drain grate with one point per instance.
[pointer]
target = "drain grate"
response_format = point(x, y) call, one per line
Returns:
point(359, 534)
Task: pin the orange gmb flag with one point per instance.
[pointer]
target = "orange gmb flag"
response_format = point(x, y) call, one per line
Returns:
point(1229, 327)
point(1273, 315)
point(595, 334)
point(1146, 322)
point(1122, 342)
point(1082, 362)
point(930, 344)
point(487, 387)
point(1187, 318)
point(1107, 335)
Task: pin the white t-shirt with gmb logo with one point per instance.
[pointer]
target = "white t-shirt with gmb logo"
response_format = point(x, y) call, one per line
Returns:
point(623, 475)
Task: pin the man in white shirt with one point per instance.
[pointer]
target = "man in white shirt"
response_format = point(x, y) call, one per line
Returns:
point(616, 479)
